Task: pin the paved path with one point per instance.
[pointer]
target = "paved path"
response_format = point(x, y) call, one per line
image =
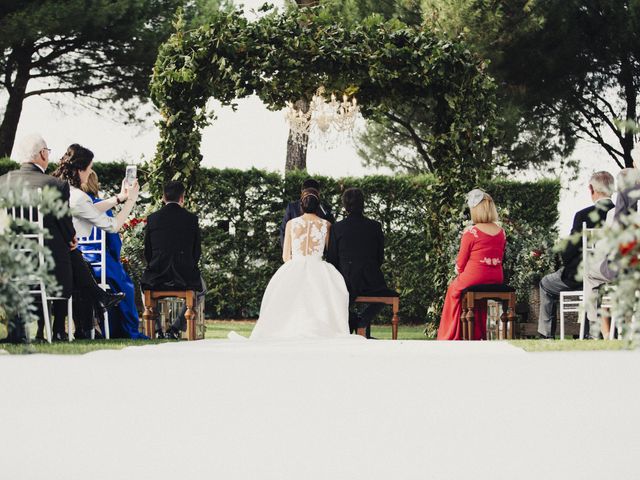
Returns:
point(229, 410)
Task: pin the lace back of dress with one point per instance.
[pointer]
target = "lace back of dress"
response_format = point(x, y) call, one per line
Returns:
point(308, 237)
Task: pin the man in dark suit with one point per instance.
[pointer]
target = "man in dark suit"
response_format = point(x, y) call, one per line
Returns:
point(172, 251)
point(601, 186)
point(294, 210)
point(356, 249)
point(71, 271)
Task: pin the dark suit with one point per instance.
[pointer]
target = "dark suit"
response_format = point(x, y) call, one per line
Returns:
point(294, 210)
point(566, 279)
point(172, 250)
point(356, 249)
point(572, 254)
point(71, 271)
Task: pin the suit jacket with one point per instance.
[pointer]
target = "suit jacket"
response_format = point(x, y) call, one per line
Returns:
point(356, 249)
point(172, 250)
point(572, 254)
point(61, 229)
point(294, 210)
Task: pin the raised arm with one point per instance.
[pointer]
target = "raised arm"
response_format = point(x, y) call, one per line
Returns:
point(286, 248)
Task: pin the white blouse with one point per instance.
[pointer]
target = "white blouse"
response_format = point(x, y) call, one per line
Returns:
point(86, 215)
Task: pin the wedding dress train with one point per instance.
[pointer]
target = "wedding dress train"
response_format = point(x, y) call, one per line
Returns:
point(306, 297)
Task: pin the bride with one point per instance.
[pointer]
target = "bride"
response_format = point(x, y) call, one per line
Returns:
point(306, 297)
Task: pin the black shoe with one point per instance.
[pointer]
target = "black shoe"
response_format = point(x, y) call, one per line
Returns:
point(173, 334)
point(544, 337)
point(108, 300)
point(39, 339)
point(60, 337)
point(82, 335)
point(160, 335)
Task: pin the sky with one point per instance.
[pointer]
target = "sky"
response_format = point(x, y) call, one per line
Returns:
point(252, 136)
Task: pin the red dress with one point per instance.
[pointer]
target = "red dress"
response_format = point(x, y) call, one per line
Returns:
point(479, 261)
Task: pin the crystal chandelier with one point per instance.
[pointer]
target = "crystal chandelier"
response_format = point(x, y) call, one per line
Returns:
point(325, 122)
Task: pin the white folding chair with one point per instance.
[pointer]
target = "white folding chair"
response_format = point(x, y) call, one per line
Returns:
point(33, 215)
point(96, 245)
point(589, 237)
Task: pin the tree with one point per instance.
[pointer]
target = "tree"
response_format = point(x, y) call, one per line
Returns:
point(99, 50)
point(569, 68)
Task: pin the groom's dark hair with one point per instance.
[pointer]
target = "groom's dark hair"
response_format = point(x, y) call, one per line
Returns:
point(353, 200)
point(173, 191)
point(310, 183)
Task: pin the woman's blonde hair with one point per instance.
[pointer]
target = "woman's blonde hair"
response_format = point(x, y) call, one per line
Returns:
point(92, 186)
point(485, 211)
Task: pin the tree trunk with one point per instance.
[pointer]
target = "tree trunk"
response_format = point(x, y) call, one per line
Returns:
point(22, 58)
point(631, 97)
point(297, 150)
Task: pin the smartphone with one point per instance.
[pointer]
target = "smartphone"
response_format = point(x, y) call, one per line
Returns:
point(132, 173)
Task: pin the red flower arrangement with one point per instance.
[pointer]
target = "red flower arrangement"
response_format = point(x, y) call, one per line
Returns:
point(133, 223)
point(626, 248)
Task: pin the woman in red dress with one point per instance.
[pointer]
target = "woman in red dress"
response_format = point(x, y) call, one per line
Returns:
point(479, 261)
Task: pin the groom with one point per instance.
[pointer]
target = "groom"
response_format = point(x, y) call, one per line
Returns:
point(356, 249)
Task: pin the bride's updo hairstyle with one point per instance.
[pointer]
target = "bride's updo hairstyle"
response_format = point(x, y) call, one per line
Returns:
point(76, 159)
point(310, 200)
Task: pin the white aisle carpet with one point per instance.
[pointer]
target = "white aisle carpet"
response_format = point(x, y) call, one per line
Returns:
point(320, 410)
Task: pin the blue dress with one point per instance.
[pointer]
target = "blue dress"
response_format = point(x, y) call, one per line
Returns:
point(123, 318)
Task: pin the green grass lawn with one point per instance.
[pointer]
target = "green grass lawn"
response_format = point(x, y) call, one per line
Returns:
point(218, 329)
point(215, 329)
point(568, 345)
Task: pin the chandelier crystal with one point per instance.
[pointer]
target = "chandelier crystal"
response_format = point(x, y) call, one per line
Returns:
point(325, 123)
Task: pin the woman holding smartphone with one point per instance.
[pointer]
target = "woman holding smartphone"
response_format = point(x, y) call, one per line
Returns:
point(75, 168)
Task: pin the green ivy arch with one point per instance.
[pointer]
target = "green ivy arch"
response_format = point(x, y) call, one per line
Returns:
point(285, 56)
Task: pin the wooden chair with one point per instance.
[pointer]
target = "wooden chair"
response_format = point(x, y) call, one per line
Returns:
point(151, 310)
point(498, 292)
point(395, 305)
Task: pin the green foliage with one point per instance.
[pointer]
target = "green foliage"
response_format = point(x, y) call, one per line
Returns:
point(283, 57)
point(19, 255)
point(240, 212)
point(100, 50)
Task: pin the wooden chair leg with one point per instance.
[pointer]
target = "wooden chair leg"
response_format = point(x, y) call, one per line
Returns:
point(190, 316)
point(511, 315)
point(471, 313)
point(463, 317)
point(395, 320)
point(149, 315)
point(504, 319)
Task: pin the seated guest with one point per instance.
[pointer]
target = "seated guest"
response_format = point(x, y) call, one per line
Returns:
point(479, 262)
point(294, 210)
point(356, 249)
point(172, 251)
point(628, 186)
point(598, 272)
point(75, 168)
point(71, 271)
point(124, 319)
point(565, 279)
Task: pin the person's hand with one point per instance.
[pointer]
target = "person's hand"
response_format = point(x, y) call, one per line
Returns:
point(133, 191)
point(73, 244)
point(122, 196)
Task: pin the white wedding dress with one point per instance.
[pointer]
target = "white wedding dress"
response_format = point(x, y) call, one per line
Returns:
point(306, 297)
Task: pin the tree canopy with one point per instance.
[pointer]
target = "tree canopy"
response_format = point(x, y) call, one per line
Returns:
point(100, 50)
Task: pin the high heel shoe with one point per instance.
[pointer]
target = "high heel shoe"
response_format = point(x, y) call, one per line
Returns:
point(108, 300)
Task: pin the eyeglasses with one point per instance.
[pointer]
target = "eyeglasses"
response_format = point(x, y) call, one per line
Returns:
point(47, 149)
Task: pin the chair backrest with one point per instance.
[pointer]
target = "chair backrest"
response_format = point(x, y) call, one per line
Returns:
point(589, 238)
point(96, 251)
point(30, 214)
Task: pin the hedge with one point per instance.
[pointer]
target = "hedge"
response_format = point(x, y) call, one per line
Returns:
point(241, 210)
